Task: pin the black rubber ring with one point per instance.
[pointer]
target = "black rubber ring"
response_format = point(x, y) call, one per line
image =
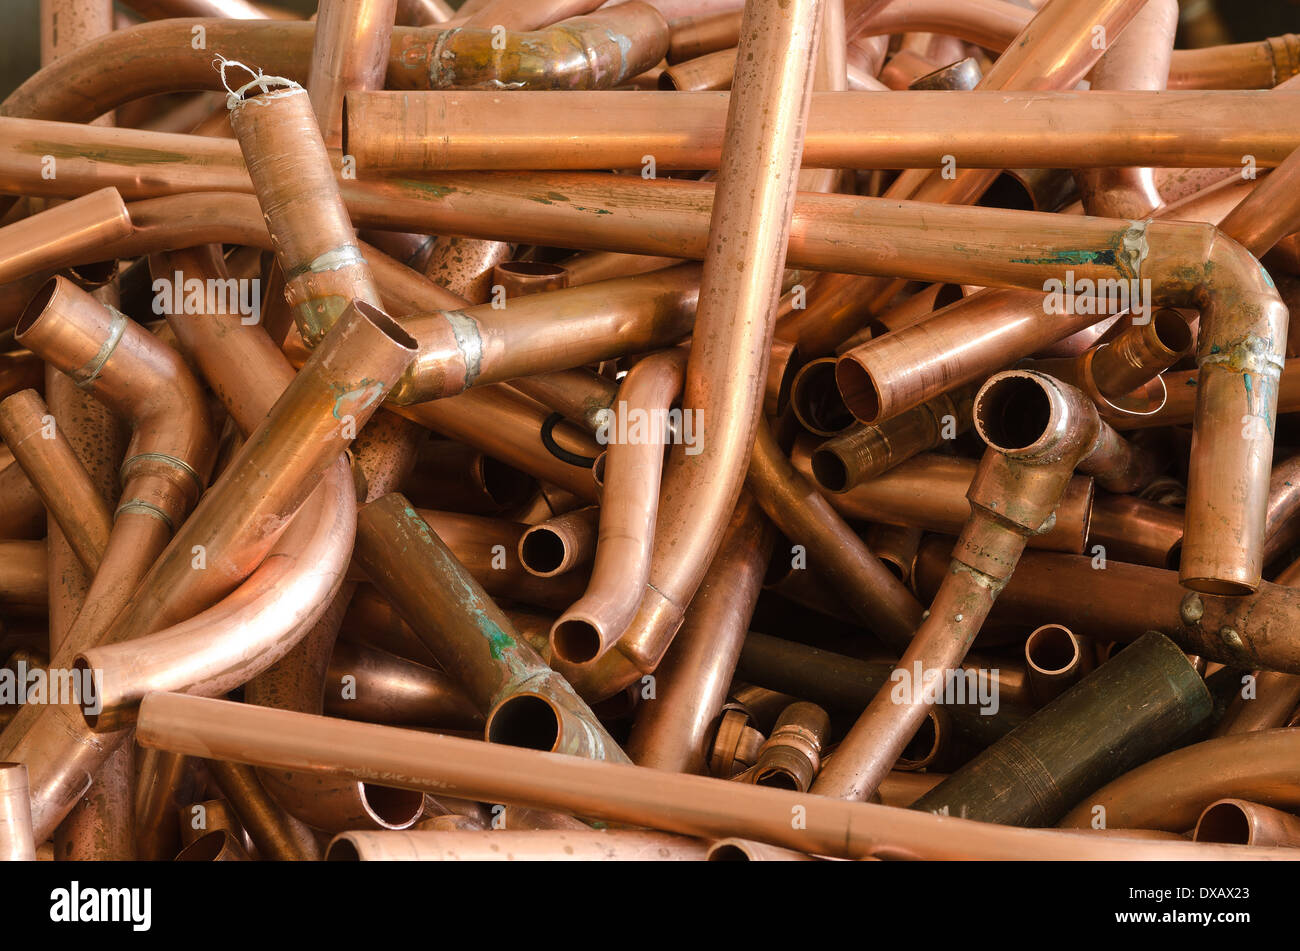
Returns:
point(558, 451)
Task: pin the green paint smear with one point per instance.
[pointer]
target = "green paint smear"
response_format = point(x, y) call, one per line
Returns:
point(123, 155)
point(429, 188)
point(1106, 257)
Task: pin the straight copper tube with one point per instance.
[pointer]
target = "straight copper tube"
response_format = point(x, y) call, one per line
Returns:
point(16, 841)
point(560, 543)
point(687, 805)
point(1055, 659)
point(1239, 822)
point(506, 846)
point(82, 226)
point(388, 689)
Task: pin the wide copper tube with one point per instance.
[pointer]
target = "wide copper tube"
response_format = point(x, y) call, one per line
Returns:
point(550, 331)
point(1258, 767)
point(521, 278)
point(712, 71)
point(277, 835)
point(690, 687)
point(815, 400)
point(864, 452)
point(465, 266)
point(16, 841)
point(1131, 529)
point(1055, 660)
point(412, 132)
point(470, 635)
point(693, 36)
point(629, 504)
point(23, 573)
point(561, 543)
point(929, 490)
point(350, 51)
point(22, 513)
point(492, 846)
point(464, 479)
point(58, 476)
point(384, 688)
point(83, 225)
point(688, 805)
point(1239, 822)
point(834, 551)
point(293, 179)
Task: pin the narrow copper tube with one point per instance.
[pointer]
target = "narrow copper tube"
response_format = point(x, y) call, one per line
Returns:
point(1265, 702)
point(1258, 767)
point(864, 452)
point(493, 846)
point(21, 371)
point(598, 51)
point(164, 781)
point(217, 846)
point(816, 400)
point(350, 51)
point(386, 689)
point(43, 451)
point(688, 805)
point(420, 132)
point(629, 504)
point(556, 330)
point(896, 546)
point(711, 71)
point(693, 36)
point(465, 265)
point(581, 394)
point(561, 543)
point(1239, 822)
point(1037, 431)
point(591, 266)
point(22, 513)
point(23, 573)
point(521, 278)
point(1055, 659)
point(690, 686)
point(929, 490)
point(277, 835)
point(734, 849)
point(293, 178)
point(464, 479)
point(792, 754)
point(199, 818)
point(81, 226)
point(527, 703)
point(16, 841)
point(1164, 702)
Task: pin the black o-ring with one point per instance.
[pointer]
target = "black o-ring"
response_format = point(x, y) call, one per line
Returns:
point(558, 451)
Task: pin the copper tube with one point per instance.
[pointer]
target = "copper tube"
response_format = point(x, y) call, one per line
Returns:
point(212, 815)
point(218, 846)
point(581, 395)
point(16, 841)
point(929, 490)
point(896, 546)
point(712, 71)
point(688, 805)
point(166, 9)
point(350, 51)
point(525, 701)
point(694, 36)
point(22, 513)
point(526, 14)
point(420, 132)
point(57, 475)
point(806, 518)
point(744, 850)
point(1239, 822)
point(592, 266)
point(1258, 767)
point(1056, 659)
point(1270, 702)
point(521, 278)
point(1256, 65)
point(464, 479)
point(1134, 530)
point(1037, 430)
point(465, 265)
point(83, 225)
point(23, 573)
point(552, 331)
point(1280, 529)
point(293, 179)
point(816, 401)
point(791, 756)
point(561, 543)
point(22, 370)
point(164, 781)
point(506, 846)
point(630, 502)
point(863, 453)
point(1062, 753)
point(672, 732)
point(388, 689)
point(277, 835)
point(598, 51)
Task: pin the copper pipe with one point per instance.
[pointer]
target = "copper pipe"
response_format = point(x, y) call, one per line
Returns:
point(350, 51)
point(525, 14)
point(816, 401)
point(212, 815)
point(929, 490)
point(526, 702)
point(1134, 530)
point(166, 9)
point(806, 518)
point(521, 278)
point(581, 395)
point(16, 841)
point(218, 846)
point(688, 805)
point(419, 132)
point(690, 687)
point(22, 370)
point(592, 266)
point(561, 543)
point(293, 179)
point(23, 574)
point(1056, 659)
point(387, 689)
point(58, 476)
point(22, 513)
point(1037, 430)
point(277, 835)
point(1239, 822)
point(465, 265)
point(712, 71)
point(464, 479)
point(694, 36)
point(1269, 703)
point(543, 846)
point(81, 226)
point(896, 546)
point(630, 502)
point(1258, 767)
point(744, 850)
point(791, 756)
point(863, 453)
point(164, 781)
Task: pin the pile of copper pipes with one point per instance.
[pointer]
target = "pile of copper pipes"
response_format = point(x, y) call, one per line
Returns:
point(663, 429)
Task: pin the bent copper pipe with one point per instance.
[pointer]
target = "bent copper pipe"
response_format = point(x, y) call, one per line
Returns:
point(43, 451)
point(350, 51)
point(1037, 430)
point(375, 686)
point(83, 225)
point(526, 702)
point(1258, 767)
point(1055, 659)
point(488, 846)
point(1239, 822)
point(16, 840)
point(630, 503)
point(615, 792)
